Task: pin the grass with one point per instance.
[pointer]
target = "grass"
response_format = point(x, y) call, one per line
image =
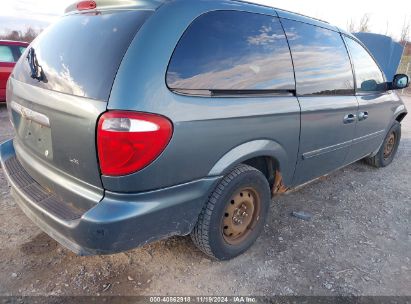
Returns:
point(403, 65)
point(403, 69)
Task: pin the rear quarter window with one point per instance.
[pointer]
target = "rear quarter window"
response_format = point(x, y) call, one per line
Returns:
point(232, 51)
point(321, 61)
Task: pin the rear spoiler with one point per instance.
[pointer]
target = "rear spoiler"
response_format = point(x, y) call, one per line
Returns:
point(118, 4)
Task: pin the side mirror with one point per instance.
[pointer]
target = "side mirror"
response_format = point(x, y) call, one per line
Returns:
point(401, 81)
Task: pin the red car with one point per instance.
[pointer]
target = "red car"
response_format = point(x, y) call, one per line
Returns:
point(10, 52)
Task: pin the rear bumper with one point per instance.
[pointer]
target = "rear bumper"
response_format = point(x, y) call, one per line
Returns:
point(120, 221)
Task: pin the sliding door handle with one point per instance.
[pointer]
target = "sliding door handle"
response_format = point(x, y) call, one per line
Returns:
point(349, 118)
point(362, 116)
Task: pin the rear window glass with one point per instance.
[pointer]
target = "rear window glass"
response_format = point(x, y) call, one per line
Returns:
point(321, 61)
point(81, 53)
point(6, 54)
point(232, 50)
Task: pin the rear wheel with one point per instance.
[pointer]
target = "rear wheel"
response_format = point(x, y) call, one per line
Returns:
point(234, 215)
point(389, 148)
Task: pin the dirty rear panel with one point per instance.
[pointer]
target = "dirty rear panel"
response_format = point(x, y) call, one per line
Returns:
point(55, 138)
point(55, 109)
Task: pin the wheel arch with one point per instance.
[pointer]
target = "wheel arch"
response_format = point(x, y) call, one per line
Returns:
point(265, 155)
point(400, 112)
point(401, 116)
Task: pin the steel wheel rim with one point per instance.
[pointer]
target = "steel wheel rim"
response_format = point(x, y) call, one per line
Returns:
point(241, 215)
point(389, 145)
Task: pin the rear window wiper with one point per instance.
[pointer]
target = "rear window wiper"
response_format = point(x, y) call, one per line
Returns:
point(36, 69)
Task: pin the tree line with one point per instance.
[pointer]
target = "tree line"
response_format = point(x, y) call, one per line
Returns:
point(364, 26)
point(28, 35)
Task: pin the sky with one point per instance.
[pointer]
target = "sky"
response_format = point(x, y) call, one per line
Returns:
point(19, 14)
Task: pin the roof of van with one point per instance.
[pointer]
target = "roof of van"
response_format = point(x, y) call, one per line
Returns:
point(121, 4)
point(155, 4)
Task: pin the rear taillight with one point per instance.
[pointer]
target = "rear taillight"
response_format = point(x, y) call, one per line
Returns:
point(86, 5)
point(129, 141)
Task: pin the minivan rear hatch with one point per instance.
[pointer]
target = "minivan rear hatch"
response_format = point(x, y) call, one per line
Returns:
point(60, 87)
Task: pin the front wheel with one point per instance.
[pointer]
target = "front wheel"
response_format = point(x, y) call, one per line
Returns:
point(388, 149)
point(234, 215)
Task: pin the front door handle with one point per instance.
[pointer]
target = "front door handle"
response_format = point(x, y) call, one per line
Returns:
point(349, 118)
point(362, 116)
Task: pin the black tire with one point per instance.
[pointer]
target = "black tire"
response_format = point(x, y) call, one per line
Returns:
point(208, 234)
point(381, 159)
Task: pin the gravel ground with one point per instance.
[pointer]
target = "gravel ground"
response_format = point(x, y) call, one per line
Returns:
point(357, 243)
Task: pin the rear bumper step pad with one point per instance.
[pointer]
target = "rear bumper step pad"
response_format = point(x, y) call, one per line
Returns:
point(38, 194)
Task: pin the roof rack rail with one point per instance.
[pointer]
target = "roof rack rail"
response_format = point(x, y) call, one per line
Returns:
point(253, 3)
point(263, 5)
point(302, 15)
